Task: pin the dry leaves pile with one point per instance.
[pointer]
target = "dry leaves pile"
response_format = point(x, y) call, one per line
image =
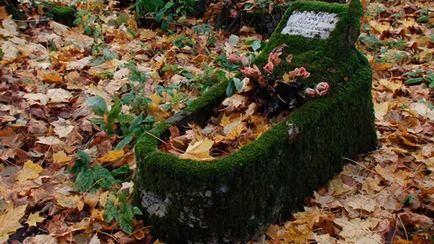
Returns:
point(47, 73)
point(246, 115)
point(386, 196)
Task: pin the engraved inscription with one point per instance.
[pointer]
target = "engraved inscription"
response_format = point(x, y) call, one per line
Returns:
point(311, 24)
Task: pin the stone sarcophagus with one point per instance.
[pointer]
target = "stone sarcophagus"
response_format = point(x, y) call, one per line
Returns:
point(236, 197)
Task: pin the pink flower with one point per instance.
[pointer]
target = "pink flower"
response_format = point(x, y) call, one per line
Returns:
point(322, 88)
point(251, 72)
point(274, 58)
point(310, 92)
point(244, 60)
point(254, 73)
point(299, 73)
point(233, 58)
point(269, 67)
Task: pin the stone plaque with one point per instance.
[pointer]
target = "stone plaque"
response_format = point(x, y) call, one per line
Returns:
point(310, 24)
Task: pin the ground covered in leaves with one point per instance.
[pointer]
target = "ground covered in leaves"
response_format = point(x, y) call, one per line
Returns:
point(73, 100)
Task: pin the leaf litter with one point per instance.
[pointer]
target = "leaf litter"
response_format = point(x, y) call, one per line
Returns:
point(50, 193)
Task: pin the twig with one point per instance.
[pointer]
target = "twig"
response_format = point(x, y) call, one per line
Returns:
point(109, 235)
point(361, 165)
point(403, 227)
point(156, 137)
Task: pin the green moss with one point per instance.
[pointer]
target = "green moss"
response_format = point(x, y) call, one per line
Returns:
point(236, 196)
point(64, 15)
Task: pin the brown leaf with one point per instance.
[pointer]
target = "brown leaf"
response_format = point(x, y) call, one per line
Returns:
point(10, 221)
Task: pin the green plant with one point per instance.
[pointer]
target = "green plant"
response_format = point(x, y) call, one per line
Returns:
point(416, 77)
point(164, 12)
point(123, 212)
point(93, 177)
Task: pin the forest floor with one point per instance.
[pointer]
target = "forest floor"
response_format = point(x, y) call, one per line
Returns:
point(72, 101)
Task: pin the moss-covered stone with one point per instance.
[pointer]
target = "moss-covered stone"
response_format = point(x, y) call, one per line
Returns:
point(238, 196)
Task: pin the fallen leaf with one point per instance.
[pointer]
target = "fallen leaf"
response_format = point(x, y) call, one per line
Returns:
point(30, 171)
point(53, 77)
point(381, 109)
point(58, 95)
point(73, 201)
point(78, 64)
point(10, 51)
point(38, 239)
point(60, 157)
point(198, 150)
point(49, 140)
point(9, 28)
point(34, 218)
point(358, 231)
point(10, 221)
point(362, 202)
point(42, 98)
point(62, 127)
point(111, 156)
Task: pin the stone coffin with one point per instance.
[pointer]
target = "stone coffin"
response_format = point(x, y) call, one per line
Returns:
point(236, 197)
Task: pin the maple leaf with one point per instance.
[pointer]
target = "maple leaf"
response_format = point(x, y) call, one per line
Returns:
point(358, 230)
point(10, 221)
point(42, 98)
point(62, 127)
point(34, 218)
point(30, 171)
point(68, 201)
point(60, 157)
point(58, 95)
point(199, 150)
point(9, 28)
point(362, 202)
point(46, 239)
point(10, 51)
point(49, 140)
point(78, 64)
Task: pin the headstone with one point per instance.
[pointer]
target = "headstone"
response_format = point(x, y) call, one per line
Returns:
point(310, 24)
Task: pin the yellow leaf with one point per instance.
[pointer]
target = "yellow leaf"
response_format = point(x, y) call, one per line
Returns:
point(408, 22)
point(381, 109)
point(69, 201)
point(34, 218)
point(97, 214)
point(199, 150)
point(9, 221)
point(379, 27)
point(234, 130)
point(60, 157)
point(391, 85)
point(111, 156)
point(156, 98)
point(382, 66)
point(286, 77)
point(158, 112)
point(30, 171)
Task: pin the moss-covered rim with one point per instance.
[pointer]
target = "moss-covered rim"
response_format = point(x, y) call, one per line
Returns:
point(147, 147)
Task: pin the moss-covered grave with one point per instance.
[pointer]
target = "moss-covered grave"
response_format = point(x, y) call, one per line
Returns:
point(235, 198)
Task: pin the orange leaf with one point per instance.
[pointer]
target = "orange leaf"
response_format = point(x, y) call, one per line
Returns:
point(52, 77)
